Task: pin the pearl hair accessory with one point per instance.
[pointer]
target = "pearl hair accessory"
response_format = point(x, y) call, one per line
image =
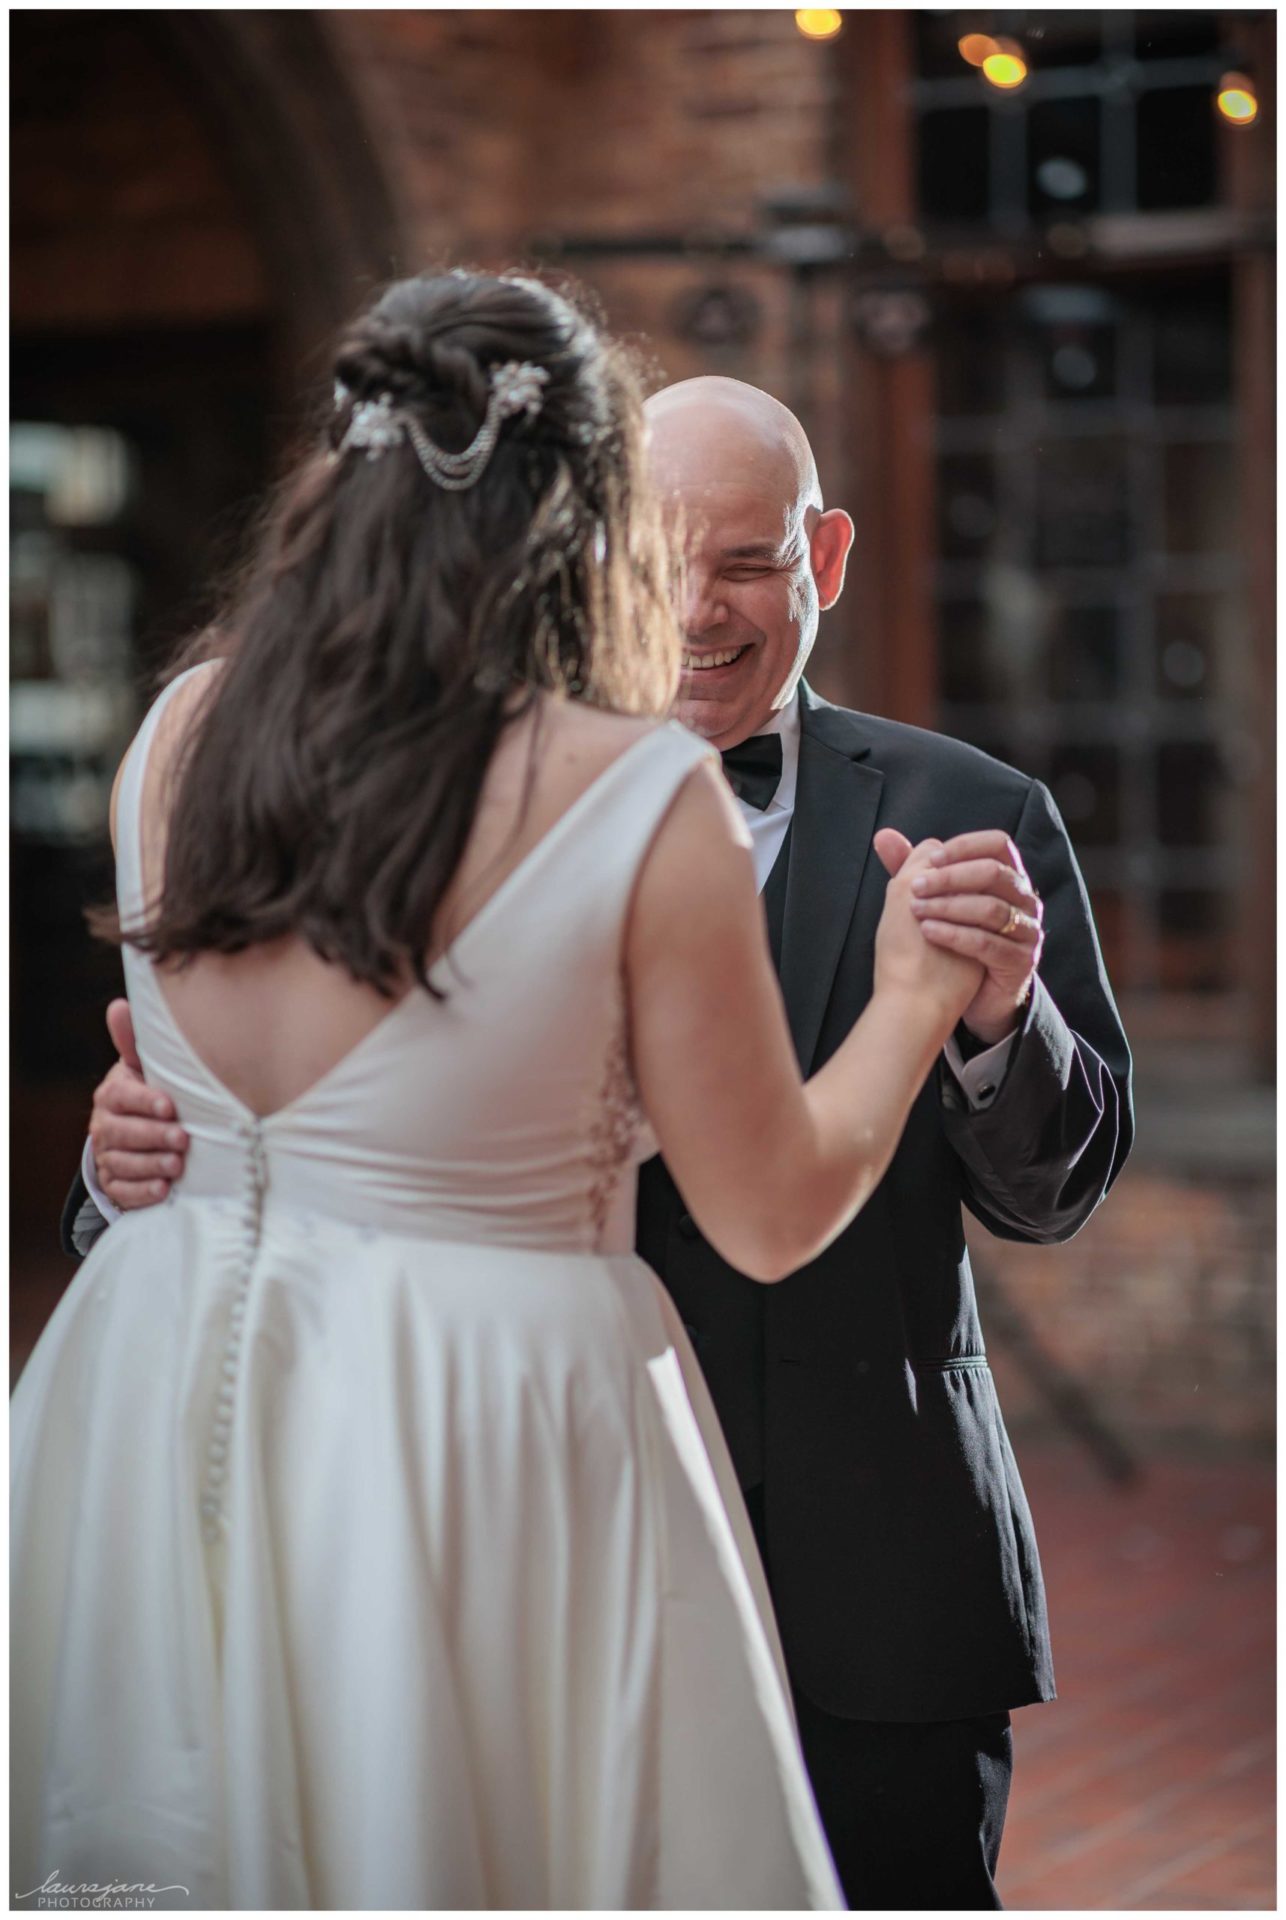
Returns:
point(379, 424)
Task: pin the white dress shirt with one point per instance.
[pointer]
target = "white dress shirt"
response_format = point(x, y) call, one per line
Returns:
point(768, 824)
point(979, 1079)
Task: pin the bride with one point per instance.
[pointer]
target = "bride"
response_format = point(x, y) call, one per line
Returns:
point(374, 1543)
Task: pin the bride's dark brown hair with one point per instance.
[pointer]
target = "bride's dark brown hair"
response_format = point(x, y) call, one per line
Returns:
point(387, 630)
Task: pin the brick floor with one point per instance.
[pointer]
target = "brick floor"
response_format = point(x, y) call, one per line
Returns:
point(1150, 1782)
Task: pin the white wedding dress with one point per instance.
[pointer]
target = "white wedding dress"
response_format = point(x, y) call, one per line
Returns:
point(374, 1543)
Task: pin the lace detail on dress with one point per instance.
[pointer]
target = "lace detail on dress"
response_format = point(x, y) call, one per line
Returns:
point(616, 1123)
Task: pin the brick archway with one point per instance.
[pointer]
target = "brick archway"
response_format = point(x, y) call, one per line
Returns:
point(292, 131)
point(189, 168)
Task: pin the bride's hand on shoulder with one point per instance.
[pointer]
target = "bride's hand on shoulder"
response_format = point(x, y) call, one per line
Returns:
point(904, 959)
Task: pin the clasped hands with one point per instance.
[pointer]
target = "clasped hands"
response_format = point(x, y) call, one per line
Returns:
point(975, 899)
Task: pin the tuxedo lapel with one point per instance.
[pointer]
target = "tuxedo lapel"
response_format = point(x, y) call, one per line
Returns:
point(837, 801)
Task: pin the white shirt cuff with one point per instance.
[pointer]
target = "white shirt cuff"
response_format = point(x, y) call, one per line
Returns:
point(89, 1174)
point(978, 1079)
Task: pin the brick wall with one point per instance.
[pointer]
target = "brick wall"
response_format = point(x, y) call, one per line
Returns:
point(121, 209)
point(501, 125)
point(504, 132)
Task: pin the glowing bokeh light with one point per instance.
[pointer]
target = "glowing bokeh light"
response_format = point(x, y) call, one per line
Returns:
point(977, 47)
point(1236, 99)
point(818, 23)
point(1005, 70)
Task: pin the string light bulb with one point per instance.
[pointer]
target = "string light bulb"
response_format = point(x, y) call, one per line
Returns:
point(976, 47)
point(1236, 99)
point(818, 23)
point(1006, 66)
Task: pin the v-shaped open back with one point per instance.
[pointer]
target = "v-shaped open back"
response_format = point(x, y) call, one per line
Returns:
point(516, 1053)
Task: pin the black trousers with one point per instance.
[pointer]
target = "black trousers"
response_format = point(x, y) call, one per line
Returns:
point(913, 1812)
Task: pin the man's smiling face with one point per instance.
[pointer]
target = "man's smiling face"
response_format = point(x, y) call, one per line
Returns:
point(743, 506)
point(749, 614)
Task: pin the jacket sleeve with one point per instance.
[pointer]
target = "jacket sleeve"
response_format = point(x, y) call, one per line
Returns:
point(81, 1222)
point(1038, 1160)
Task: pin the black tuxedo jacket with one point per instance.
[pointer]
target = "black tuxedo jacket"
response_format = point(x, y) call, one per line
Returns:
point(900, 1547)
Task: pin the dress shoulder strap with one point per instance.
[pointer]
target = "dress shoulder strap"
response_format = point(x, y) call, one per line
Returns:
point(652, 779)
point(628, 804)
point(129, 801)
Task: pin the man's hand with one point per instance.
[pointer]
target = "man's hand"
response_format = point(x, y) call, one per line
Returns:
point(138, 1149)
point(902, 954)
point(977, 900)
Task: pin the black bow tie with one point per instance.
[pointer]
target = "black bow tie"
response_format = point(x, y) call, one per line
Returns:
point(753, 768)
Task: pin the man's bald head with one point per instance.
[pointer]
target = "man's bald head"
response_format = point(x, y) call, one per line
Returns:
point(740, 484)
point(720, 424)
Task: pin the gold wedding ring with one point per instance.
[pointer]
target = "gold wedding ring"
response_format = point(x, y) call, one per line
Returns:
point(1012, 924)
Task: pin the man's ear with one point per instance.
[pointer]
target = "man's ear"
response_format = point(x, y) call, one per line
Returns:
point(829, 546)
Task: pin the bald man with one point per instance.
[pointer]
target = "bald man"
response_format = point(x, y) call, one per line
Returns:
point(855, 1395)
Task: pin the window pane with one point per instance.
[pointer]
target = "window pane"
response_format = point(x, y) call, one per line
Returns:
point(937, 36)
point(1110, 918)
point(1063, 37)
point(1193, 793)
point(1049, 658)
point(953, 164)
point(33, 556)
point(1082, 504)
point(1200, 498)
point(1084, 659)
point(82, 475)
point(1063, 156)
point(1086, 785)
point(1198, 646)
point(1075, 328)
point(1168, 34)
point(971, 365)
point(1192, 349)
point(967, 518)
point(968, 676)
point(73, 611)
point(1176, 148)
point(1080, 363)
point(1195, 927)
point(990, 652)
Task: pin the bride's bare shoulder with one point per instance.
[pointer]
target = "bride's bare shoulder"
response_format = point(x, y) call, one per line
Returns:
point(594, 733)
point(182, 710)
point(575, 743)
